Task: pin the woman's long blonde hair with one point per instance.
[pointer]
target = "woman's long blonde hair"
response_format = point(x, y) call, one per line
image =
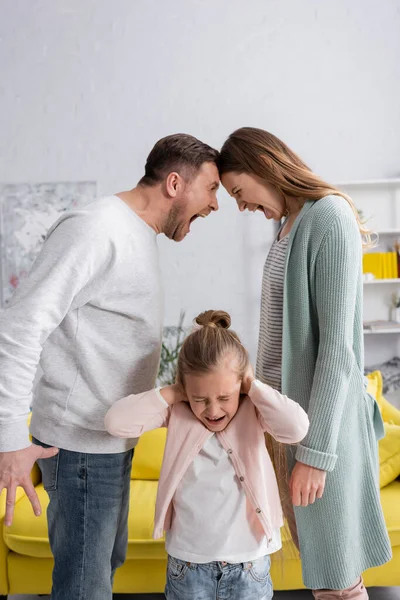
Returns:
point(258, 152)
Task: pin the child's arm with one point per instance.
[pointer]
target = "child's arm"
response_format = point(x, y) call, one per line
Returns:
point(130, 417)
point(283, 418)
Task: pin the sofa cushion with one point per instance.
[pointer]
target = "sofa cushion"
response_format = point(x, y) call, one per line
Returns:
point(390, 498)
point(390, 374)
point(390, 414)
point(28, 534)
point(389, 445)
point(389, 454)
point(149, 454)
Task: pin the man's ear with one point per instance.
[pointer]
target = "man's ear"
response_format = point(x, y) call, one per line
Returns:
point(173, 184)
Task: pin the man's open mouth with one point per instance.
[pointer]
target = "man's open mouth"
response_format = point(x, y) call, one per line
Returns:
point(202, 215)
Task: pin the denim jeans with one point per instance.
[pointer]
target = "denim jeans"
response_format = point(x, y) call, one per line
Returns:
point(218, 580)
point(87, 519)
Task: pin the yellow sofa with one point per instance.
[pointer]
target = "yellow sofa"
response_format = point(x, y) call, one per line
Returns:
point(26, 562)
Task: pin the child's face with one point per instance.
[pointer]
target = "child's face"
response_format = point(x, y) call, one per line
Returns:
point(214, 396)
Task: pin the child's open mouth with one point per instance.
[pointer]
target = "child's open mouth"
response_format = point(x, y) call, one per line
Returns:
point(212, 421)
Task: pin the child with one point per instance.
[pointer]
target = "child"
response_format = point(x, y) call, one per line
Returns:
point(217, 498)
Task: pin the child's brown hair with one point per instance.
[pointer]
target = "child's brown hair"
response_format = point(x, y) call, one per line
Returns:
point(205, 347)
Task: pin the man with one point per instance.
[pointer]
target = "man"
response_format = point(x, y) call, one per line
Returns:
point(91, 310)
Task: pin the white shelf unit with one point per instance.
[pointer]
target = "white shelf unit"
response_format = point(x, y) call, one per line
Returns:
point(379, 201)
point(380, 331)
point(376, 281)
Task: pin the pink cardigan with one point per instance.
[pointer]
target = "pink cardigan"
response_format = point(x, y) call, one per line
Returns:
point(264, 409)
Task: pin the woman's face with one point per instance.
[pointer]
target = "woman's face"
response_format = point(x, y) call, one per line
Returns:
point(253, 193)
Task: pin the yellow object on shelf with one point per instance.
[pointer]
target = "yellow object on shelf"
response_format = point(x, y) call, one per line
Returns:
point(384, 274)
point(383, 265)
point(371, 264)
point(395, 273)
point(378, 269)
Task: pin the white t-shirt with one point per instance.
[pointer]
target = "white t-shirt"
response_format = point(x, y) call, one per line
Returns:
point(209, 519)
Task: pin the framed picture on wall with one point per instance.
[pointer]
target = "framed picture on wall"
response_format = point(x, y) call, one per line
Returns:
point(27, 211)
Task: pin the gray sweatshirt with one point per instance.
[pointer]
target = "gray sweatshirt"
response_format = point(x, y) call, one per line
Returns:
point(91, 313)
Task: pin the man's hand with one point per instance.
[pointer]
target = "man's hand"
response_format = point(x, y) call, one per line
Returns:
point(173, 394)
point(306, 484)
point(247, 380)
point(15, 470)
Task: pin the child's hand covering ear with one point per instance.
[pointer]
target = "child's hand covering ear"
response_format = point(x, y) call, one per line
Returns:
point(173, 394)
point(247, 380)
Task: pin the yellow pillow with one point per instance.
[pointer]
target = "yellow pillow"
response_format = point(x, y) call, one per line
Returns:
point(390, 413)
point(389, 446)
point(148, 455)
point(389, 454)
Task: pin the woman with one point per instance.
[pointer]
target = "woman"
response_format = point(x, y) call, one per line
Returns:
point(311, 349)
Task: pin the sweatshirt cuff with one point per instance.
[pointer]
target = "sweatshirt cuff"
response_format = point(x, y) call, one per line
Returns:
point(14, 436)
point(314, 458)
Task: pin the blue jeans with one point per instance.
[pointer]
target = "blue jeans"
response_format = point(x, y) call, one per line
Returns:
point(87, 519)
point(219, 581)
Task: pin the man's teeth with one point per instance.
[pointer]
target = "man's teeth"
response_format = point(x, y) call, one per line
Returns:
point(202, 215)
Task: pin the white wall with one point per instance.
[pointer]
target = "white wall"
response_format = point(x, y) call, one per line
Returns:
point(87, 87)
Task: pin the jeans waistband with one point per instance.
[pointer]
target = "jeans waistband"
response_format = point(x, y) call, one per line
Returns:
point(218, 565)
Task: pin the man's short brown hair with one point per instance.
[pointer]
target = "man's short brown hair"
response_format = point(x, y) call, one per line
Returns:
point(179, 152)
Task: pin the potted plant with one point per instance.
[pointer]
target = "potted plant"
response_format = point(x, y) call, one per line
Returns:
point(395, 307)
point(172, 342)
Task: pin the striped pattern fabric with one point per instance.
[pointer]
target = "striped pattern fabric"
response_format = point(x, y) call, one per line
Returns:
point(269, 363)
point(269, 356)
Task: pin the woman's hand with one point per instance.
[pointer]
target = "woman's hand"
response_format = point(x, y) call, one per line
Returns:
point(173, 394)
point(247, 380)
point(306, 484)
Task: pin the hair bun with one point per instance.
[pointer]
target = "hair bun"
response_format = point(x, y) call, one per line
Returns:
point(214, 318)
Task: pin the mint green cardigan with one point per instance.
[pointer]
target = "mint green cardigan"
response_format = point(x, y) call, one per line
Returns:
point(343, 533)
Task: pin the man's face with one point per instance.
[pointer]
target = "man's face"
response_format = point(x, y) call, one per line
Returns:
point(197, 198)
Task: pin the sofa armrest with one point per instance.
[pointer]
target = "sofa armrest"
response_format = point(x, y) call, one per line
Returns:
point(3, 548)
point(20, 493)
point(36, 474)
point(36, 477)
